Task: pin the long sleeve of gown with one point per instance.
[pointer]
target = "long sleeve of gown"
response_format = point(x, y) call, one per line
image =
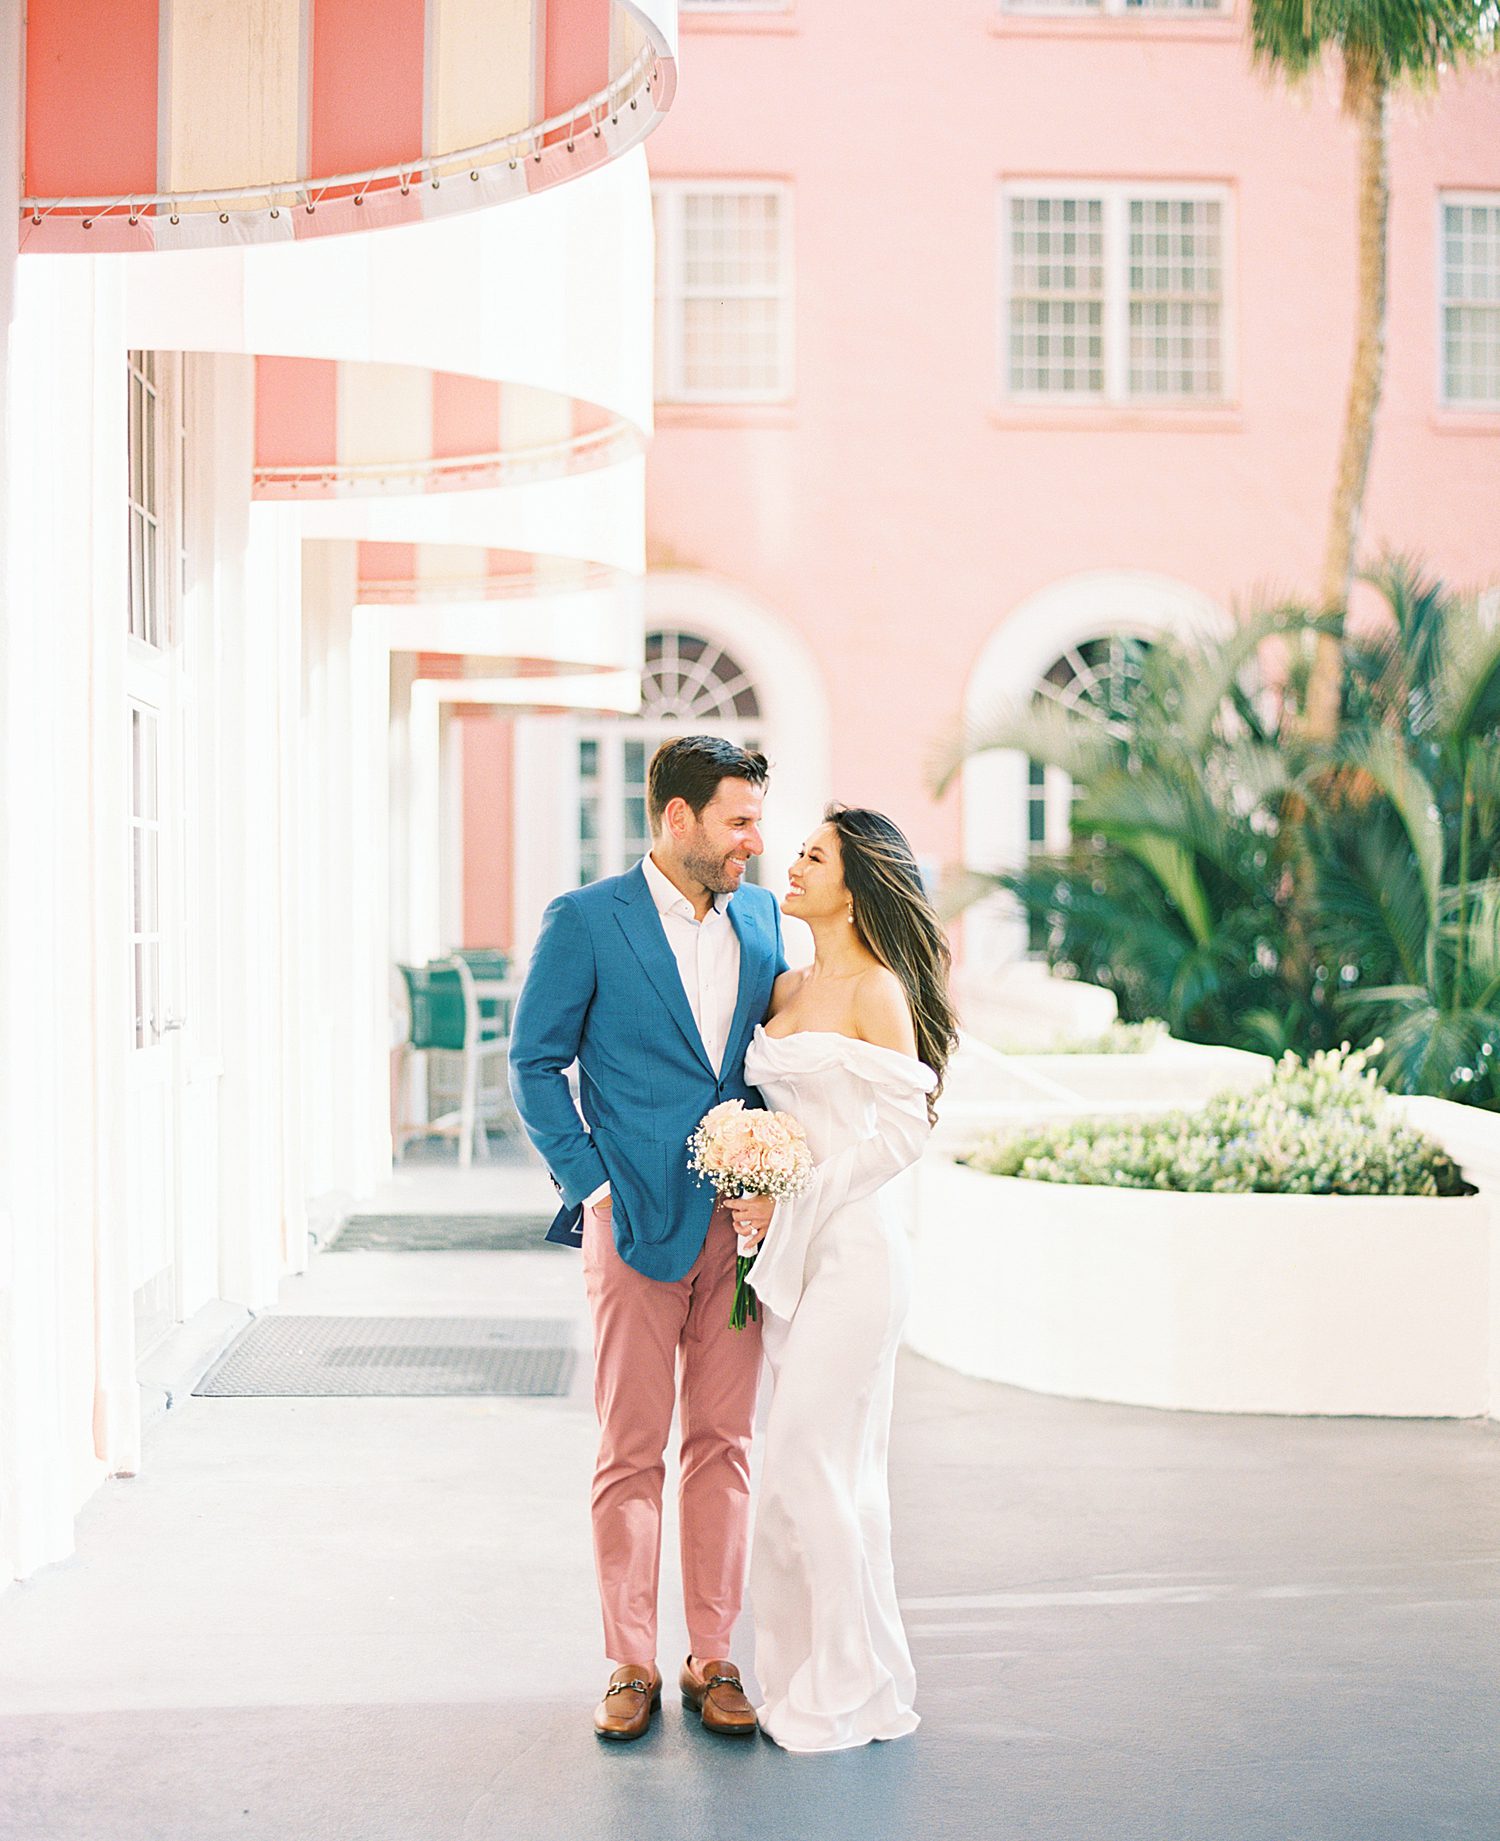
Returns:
point(895, 1139)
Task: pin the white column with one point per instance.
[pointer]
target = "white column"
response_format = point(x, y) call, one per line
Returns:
point(371, 958)
point(43, 688)
point(424, 817)
point(344, 806)
point(451, 832)
point(98, 446)
point(259, 600)
point(69, 1406)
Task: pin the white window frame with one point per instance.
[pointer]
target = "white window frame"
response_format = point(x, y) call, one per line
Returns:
point(1464, 405)
point(611, 733)
point(1113, 9)
point(159, 377)
point(153, 668)
point(666, 197)
point(1116, 197)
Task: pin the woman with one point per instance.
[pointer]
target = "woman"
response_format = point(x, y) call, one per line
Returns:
point(855, 1046)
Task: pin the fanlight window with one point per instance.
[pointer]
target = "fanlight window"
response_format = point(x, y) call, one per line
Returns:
point(1098, 680)
point(688, 679)
point(688, 682)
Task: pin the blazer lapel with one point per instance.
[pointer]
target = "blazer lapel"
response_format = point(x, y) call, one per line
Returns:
point(642, 926)
point(752, 952)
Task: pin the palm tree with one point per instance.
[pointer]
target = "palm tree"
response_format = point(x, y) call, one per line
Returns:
point(1169, 893)
point(1380, 44)
point(1179, 890)
point(1406, 843)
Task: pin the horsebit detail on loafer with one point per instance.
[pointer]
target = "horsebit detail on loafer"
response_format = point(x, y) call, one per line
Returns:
point(619, 1687)
point(723, 1681)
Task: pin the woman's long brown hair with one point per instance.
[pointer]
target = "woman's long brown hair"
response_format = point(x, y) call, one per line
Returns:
point(900, 926)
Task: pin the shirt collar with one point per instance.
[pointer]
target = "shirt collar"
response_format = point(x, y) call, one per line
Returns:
point(668, 897)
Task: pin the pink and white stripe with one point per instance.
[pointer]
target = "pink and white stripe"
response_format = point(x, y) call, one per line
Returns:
point(413, 574)
point(326, 428)
point(165, 124)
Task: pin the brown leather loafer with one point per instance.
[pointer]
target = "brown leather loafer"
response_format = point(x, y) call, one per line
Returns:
point(714, 1689)
point(632, 1696)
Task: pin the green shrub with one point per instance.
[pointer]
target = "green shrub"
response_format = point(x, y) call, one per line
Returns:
point(1323, 1127)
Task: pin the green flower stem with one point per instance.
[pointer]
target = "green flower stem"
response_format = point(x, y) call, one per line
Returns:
point(746, 1304)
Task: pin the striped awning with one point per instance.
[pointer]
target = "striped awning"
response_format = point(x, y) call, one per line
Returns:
point(552, 296)
point(597, 517)
point(559, 628)
point(151, 125)
point(325, 429)
point(411, 574)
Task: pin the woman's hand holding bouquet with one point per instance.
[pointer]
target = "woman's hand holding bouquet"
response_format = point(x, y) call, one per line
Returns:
point(749, 1153)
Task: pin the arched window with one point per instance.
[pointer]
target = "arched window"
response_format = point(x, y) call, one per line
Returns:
point(688, 682)
point(688, 679)
point(1097, 679)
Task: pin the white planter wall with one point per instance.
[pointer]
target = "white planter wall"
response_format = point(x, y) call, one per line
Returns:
point(1251, 1304)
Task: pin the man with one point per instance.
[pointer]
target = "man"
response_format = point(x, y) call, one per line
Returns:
point(653, 982)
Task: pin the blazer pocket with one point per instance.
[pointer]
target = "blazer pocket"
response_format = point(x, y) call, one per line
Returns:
point(651, 1218)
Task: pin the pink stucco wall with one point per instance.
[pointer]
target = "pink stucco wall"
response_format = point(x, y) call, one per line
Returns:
point(488, 756)
point(896, 511)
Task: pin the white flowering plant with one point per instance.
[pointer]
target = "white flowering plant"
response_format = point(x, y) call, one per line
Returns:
point(1320, 1127)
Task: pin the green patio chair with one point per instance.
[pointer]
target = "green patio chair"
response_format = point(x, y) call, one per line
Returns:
point(489, 966)
point(443, 1020)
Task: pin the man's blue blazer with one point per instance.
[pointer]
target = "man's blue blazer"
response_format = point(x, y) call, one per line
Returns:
point(603, 989)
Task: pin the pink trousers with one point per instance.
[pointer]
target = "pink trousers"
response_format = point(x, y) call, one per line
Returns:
point(658, 1344)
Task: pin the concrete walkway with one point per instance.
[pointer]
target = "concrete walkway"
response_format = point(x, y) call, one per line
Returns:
point(374, 1620)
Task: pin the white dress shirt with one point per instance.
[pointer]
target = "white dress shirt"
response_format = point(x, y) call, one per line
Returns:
point(708, 958)
point(708, 962)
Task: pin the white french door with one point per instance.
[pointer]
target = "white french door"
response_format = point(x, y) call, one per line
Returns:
point(152, 770)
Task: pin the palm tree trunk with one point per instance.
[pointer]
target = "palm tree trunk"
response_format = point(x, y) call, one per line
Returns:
point(1365, 98)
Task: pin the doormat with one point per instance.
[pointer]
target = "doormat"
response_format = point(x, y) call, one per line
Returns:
point(323, 1357)
point(443, 1234)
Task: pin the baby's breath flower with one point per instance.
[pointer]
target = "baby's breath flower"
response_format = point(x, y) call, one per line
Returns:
point(1323, 1127)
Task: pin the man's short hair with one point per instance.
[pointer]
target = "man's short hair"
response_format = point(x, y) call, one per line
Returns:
point(690, 767)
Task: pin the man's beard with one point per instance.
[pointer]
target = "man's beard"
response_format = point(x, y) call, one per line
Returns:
point(712, 873)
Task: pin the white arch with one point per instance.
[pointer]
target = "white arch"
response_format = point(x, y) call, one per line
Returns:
point(793, 725)
point(793, 701)
point(1090, 605)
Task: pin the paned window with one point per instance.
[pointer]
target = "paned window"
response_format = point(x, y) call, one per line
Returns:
point(145, 875)
point(1471, 301)
point(1115, 9)
point(1114, 294)
point(723, 293)
point(157, 445)
point(147, 602)
point(1096, 679)
point(688, 682)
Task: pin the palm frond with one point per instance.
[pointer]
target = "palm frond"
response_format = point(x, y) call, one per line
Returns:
point(1043, 730)
point(1372, 910)
point(1378, 754)
point(1410, 40)
point(1175, 870)
point(1215, 669)
point(961, 888)
point(1466, 685)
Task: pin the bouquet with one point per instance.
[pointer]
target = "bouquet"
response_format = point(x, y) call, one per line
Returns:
point(749, 1153)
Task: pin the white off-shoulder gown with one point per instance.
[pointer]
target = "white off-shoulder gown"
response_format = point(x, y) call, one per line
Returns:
point(834, 1278)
